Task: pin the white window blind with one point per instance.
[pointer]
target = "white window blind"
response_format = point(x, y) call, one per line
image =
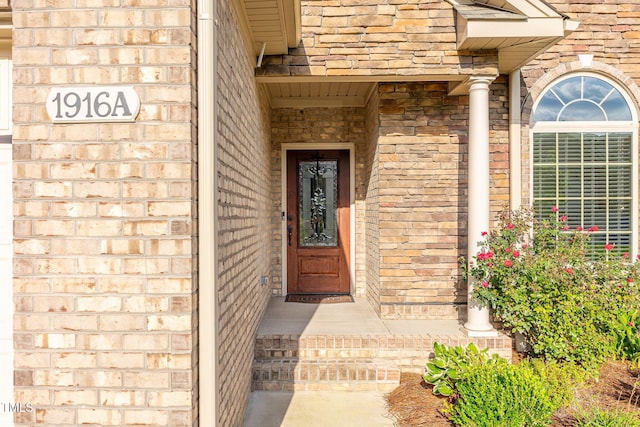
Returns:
point(588, 177)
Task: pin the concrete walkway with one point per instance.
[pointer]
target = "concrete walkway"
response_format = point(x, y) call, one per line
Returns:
point(330, 408)
point(317, 409)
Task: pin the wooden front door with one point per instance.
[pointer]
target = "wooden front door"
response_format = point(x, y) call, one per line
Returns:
point(318, 222)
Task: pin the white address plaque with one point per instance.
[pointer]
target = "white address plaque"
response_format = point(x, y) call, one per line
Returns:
point(93, 104)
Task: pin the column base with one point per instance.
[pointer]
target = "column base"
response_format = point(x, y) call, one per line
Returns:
point(478, 324)
point(473, 333)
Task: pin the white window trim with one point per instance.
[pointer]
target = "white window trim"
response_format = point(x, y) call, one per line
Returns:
point(588, 126)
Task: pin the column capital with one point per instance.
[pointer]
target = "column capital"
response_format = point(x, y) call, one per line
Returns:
point(480, 79)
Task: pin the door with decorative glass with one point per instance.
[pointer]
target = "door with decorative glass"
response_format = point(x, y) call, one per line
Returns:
point(317, 219)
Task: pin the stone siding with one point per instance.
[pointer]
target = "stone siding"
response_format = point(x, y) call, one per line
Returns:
point(104, 265)
point(422, 193)
point(105, 234)
point(406, 38)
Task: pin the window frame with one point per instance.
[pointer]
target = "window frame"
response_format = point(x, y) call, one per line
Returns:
point(561, 127)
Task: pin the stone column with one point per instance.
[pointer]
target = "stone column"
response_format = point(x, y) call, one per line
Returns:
point(478, 188)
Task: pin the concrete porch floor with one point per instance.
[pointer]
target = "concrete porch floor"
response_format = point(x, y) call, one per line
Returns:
point(331, 408)
point(345, 318)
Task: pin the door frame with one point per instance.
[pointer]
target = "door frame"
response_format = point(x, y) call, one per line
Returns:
point(352, 197)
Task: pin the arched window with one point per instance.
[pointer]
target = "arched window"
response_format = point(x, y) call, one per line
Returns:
point(584, 157)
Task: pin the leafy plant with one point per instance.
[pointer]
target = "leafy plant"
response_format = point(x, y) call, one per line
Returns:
point(597, 417)
point(549, 282)
point(628, 336)
point(502, 396)
point(451, 364)
point(560, 378)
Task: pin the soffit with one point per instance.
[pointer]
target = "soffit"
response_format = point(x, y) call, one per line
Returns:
point(518, 29)
point(301, 94)
point(308, 91)
point(274, 24)
point(529, 8)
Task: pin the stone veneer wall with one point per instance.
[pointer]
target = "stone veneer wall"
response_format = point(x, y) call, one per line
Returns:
point(105, 283)
point(422, 196)
point(385, 37)
point(244, 214)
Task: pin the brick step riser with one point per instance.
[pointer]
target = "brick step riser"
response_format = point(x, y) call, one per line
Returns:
point(409, 352)
point(348, 375)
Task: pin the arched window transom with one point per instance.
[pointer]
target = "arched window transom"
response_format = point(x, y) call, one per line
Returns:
point(582, 98)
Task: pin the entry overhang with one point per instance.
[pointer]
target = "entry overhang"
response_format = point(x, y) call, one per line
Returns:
point(495, 34)
point(518, 29)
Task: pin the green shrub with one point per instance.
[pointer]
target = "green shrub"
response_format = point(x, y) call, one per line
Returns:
point(560, 378)
point(628, 336)
point(451, 364)
point(547, 281)
point(597, 417)
point(502, 396)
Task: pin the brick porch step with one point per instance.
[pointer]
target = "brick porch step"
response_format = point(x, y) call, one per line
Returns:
point(290, 362)
point(325, 375)
point(409, 352)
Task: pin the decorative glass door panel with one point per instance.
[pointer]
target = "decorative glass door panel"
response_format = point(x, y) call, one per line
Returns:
point(317, 230)
point(318, 198)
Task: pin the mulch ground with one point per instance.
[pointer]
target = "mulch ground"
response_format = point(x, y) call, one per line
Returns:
point(412, 404)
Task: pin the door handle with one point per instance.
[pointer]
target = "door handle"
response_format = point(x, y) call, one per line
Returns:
point(290, 232)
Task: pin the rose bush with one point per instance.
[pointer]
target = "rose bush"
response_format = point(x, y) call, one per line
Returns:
point(546, 281)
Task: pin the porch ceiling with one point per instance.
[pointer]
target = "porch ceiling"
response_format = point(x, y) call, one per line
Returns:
point(274, 24)
point(300, 94)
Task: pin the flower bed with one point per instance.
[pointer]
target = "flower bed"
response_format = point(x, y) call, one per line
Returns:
point(550, 283)
point(576, 304)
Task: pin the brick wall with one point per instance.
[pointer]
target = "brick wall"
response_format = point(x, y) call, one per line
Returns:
point(406, 38)
point(372, 217)
point(244, 214)
point(104, 287)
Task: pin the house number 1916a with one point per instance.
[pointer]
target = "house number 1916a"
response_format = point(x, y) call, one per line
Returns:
point(93, 104)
